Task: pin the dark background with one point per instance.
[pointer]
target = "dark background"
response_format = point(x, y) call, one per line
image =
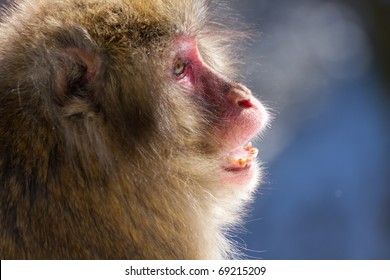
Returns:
point(323, 67)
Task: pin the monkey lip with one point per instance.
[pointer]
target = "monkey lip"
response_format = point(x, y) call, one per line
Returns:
point(241, 158)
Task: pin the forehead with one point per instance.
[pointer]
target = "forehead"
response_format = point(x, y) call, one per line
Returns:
point(140, 23)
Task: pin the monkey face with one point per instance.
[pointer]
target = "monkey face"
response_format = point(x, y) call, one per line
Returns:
point(237, 115)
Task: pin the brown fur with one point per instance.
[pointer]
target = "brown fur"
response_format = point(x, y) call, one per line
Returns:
point(112, 167)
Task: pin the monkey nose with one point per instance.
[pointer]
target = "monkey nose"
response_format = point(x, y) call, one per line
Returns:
point(240, 96)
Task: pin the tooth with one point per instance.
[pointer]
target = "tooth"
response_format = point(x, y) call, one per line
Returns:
point(254, 152)
point(242, 162)
point(248, 146)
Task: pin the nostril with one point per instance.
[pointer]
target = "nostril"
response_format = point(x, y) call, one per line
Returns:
point(241, 96)
point(246, 103)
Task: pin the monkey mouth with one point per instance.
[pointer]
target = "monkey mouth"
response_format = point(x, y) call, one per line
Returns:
point(241, 158)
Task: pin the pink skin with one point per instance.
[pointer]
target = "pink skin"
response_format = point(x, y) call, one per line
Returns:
point(242, 115)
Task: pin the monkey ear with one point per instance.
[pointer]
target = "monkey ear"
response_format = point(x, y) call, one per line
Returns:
point(78, 66)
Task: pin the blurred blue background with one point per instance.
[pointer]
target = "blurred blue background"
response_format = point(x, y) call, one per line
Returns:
point(323, 69)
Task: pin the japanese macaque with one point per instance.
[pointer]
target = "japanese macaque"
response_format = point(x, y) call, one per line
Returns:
point(123, 131)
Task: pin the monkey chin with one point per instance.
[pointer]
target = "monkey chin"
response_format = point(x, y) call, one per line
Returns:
point(240, 167)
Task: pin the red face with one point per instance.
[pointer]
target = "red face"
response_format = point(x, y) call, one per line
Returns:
point(242, 115)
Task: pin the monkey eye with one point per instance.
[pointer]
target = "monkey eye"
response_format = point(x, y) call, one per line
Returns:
point(179, 67)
